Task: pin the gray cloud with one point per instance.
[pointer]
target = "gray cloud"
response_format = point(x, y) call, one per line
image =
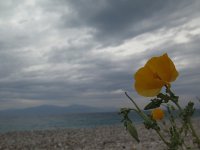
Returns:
point(115, 21)
point(86, 52)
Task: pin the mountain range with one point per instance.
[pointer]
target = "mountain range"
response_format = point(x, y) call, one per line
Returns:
point(55, 110)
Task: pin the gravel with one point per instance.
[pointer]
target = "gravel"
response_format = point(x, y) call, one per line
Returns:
point(99, 138)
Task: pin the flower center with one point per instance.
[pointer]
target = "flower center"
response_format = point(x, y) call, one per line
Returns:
point(155, 76)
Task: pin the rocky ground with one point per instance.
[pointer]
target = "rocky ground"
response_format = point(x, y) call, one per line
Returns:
point(100, 138)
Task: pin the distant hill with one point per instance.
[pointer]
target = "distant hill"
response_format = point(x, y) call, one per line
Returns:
point(53, 110)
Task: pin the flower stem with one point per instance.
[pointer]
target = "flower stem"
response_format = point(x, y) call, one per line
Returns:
point(162, 138)
point(188, 119)
point(190, 125)
point(194, 133)
point(141, 113)
point(133, 102)
point(178, 106)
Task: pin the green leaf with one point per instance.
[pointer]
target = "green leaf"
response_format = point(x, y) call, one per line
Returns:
point(132, 130)
point(153, 104)
point(164, 97)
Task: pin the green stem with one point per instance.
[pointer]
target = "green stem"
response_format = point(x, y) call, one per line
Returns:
point(185, 145)
point(190, 125)
point(194, 133)
point(141, 113)
point(178, 106)
point(133, 102)
point(188, 120)
point(162, 138)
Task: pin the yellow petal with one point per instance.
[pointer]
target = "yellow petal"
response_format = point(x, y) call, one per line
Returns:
point(157, 114)
point(163, 67)
point(146, 82)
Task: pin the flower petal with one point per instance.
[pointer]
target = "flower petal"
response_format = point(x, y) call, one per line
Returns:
point(157, 114)
point(163, 67)
point(146, 83)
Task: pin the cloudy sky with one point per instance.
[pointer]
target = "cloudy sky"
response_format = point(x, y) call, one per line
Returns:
point(86, 51)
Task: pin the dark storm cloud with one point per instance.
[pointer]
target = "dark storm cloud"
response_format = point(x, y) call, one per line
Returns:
point(115, 21)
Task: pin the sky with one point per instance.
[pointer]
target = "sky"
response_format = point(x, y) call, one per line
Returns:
point(86, 52)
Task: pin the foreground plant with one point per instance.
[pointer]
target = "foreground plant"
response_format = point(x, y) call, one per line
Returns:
point(157, 73)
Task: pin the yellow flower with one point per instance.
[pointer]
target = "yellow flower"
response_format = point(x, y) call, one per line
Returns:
point(157, 114)
point(157, 72)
